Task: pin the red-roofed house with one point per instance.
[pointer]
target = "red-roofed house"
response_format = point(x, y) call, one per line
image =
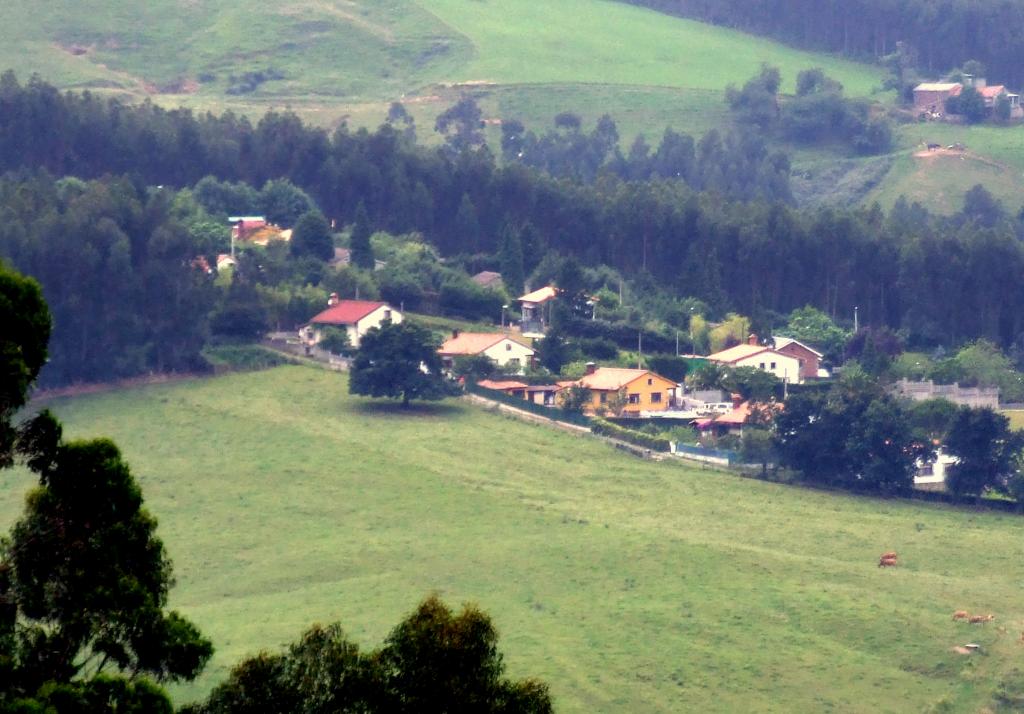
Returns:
point(507, 353)
point(354, 316)
point(740, 416)
point(753, 354)
point(509, 387)
point(808, 357)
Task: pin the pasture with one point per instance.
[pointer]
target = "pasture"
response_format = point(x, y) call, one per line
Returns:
point(627, 585)
point(348, 59)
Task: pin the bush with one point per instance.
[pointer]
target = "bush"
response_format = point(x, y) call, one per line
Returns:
point(606, 428)
point(464, 298)
point(243, 357)
point(599, 348)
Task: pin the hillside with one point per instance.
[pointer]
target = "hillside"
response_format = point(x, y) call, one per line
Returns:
point(627, 585)
point(352, 57)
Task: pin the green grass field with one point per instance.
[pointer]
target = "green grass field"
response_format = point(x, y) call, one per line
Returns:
point(628, 585)
point(350, 58)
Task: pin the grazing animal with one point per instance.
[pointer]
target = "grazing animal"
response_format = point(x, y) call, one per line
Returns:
point(886, 562)
point(978, 619)
point(891, 555)
point(963, 615)
point(934, 147)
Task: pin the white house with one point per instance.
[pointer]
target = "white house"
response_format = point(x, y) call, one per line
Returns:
point(934, 470)
point(354, 316)
point(786, 367)
point(508, 354)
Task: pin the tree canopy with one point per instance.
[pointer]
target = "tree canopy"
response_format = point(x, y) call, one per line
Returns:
point(401, 362)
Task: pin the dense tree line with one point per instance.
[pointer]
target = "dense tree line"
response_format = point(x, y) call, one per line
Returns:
point(943, 33)
point(115, 257)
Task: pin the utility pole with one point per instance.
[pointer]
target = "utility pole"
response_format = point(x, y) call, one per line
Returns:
point(639, 348)
point(677, 343)
point(856, 326)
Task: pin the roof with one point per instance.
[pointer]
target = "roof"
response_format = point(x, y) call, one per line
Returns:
point(992, 91)
point(781, 342)
point(542, 295)
point(473, 343)
point(507, 384)
point(734, 354)
point(543, 388)
point(487, 278)
point(614, 378)
point(346, 312)
point(246, 219)
point(740, 414)
point(937, 86)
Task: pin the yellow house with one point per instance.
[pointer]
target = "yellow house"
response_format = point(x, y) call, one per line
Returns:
point(644, 390)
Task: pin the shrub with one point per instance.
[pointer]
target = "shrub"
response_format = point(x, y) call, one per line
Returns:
point(606, 428)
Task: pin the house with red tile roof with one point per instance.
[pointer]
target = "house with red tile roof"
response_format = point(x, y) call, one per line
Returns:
point(767, 359)
point(510, 355)
point(354, 316)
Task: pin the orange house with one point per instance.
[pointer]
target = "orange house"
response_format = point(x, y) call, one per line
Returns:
point(644, 390)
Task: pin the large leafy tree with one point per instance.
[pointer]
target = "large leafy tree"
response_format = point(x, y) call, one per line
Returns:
point(401, 362)
point(986, 448)
point(23, 339)
point(83, 577)
point(312, 236)
point(433, 661)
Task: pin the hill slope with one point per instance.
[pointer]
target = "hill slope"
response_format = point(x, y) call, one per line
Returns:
point(352, 57)
point(628, 585)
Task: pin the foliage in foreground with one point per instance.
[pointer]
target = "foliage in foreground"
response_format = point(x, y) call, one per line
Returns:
point(433, 661)
point(399, 362)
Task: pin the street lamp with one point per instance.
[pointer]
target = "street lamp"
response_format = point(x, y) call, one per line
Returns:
point(503, 309)
point(855, 322)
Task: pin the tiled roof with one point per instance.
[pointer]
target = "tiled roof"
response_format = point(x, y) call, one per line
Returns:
point(346, 312)
point(508, 384)
point(738, 352)
point(473, 343)
point(781, 342)
point(937, 86)
point(542, 295)
point(992, 91)
point(612, 378)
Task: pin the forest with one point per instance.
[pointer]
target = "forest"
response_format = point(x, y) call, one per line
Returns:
point(943, 33)
point(109, 205)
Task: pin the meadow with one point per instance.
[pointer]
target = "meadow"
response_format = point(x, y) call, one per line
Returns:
point(348, 59)
point(627, 585)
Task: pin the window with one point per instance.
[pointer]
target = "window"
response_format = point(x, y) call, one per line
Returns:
point(773, 365)
point(514, 362)
point(762, 365)
point(508, 346)
point(801, 362)
point(655, 397)
point(604, 397)
point(634, 398)
point(649, 381)
point(387, 314)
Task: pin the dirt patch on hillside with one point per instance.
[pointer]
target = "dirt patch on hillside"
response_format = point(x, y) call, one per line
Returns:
point(342, 10)
point(959, 153)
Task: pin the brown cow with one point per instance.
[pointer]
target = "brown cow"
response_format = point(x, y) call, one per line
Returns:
point(891, 555)
point(961, 615)
point(886, 562)
point(978, 619)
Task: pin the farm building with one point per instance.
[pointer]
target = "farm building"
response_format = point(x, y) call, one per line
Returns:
point(931, 97)
point(354, 316)
point(510, 355)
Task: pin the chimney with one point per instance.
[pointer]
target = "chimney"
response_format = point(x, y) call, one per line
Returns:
point(752, 339)
point(333, 300)
point(455, 333)
point(591, 367)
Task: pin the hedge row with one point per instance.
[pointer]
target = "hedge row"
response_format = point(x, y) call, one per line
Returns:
point(606, 428)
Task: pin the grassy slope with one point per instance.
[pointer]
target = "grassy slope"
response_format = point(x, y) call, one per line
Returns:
point(351, 57)
point(629, 586)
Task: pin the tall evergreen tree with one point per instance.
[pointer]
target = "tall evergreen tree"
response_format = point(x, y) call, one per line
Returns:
point(466, 228)
point(511, 259)
point(362, 249)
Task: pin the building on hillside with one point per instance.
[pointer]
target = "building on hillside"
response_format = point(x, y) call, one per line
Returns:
point(354, 316)
point(343, 258)
point(545, 395)
point(808, 357)
point(509, 387)
point(766, 359)
point(930, 97)
point(536, 310)
point(933, 471)
point(225, 262)
point(963, 396)
point(742, 414)
point(644, 390)
point(488, 279)
point(510, 355)
point(992, 94)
